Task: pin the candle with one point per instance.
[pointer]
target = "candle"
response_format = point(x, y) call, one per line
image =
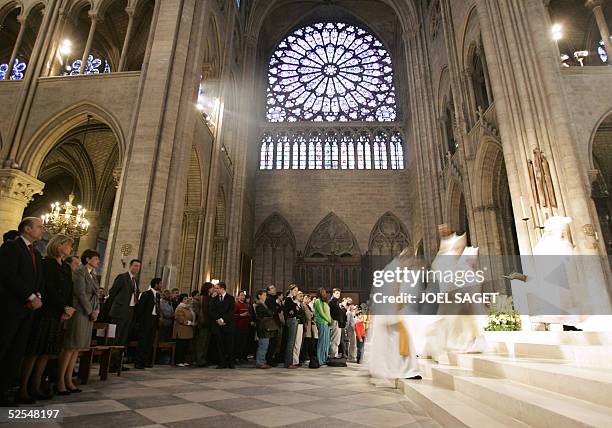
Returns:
point(540, 219)
point(523, 210)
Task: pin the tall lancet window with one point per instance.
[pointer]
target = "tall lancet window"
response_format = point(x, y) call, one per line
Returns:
point(332, 72)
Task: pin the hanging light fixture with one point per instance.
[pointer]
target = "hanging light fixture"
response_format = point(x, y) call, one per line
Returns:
point(67, 219)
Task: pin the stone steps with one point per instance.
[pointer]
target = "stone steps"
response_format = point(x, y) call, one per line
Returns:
point(536, 407)
point(580, 355)
point(456, 396)
point(454, 409)
point(585, 384)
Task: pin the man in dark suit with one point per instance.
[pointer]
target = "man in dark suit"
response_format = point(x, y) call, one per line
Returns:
point(146, 316)
point(222, 312)
point(21, 284)
point(122, 299)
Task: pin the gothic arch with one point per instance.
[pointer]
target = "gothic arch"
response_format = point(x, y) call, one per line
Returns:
point(10, 7)
point(274, 253)
point(49, 134)
point(470, 40)
point(601, 178)
point(606, 118)
point(456, 212)
point(406, 11)
point(192, 220)
point(389, 236)
point(332, 237)
point(489, 164)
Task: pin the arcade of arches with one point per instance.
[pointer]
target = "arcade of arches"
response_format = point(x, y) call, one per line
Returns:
point(273, 141)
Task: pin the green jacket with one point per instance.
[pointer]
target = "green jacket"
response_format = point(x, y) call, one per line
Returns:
point(321, 312)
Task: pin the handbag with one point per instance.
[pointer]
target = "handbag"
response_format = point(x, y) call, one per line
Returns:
point(269, 324)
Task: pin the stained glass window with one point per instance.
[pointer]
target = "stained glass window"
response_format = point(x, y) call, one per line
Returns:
point(601, 51)
point(279, 156)
point(311, 155)
point(329, 72)
point(92, 67)
point(360, 159)
point(331, 151)
point(302, 143)
point(380, 151)
point(397, 151)
point(295, 162)
point(318, 151)
point(327, 153)
point(284, 142)
point(17, 72)
point(267, 153)
point(344, 151)
point(351, 154)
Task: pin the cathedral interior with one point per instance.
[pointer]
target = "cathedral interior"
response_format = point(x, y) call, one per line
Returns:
point(264, 142)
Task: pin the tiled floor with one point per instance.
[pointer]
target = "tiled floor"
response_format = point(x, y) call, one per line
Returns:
point(245, 397)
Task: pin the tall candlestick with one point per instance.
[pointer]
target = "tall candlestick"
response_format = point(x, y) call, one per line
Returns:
point(523, 209)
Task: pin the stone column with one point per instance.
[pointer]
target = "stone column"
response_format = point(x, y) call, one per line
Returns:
point(462, 108)
point(246, 131)
point(16, 190)
point(22, 27)
point(90, 240)
point(128, 38)
point(596, 7)
point(22, 104)
point(424, 131)
point(150, 200)
point(92, 31)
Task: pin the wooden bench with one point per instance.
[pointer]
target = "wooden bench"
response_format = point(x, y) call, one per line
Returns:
point(104, 343)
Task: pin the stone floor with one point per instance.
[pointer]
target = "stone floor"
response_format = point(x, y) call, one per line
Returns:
point(244, 397)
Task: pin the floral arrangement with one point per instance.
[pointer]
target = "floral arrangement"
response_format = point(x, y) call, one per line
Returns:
point(503, 317)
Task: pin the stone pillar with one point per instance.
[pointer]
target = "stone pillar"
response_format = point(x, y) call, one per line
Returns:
point(16, 190)
point(92, 31)
point(90, 240)
point(128, 38)
point(533, 114)
point(50, 67)
point(22, 27)
point(596, 7)
point(21, 105)
point(464, 114)
point(423, 123)
point(246, 131)
point(150, 200)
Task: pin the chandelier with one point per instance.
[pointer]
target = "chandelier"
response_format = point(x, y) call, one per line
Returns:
point(66, 219)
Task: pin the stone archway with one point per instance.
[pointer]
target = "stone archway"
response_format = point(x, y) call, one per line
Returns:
point(601, 179)
point(274, 253)
point(85, 161)
point(332, 258)
point(189, 268)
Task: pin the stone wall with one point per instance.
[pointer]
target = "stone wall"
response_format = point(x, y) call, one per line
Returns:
point(359, 198)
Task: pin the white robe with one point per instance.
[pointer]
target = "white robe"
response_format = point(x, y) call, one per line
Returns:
point(382, 349)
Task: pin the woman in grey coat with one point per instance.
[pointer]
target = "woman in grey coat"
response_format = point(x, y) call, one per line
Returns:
point(80, 326)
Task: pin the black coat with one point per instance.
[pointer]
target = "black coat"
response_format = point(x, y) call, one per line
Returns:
point(18, 278)
point(290, 308)
point(144, 309)
point(120, 296)
point(58, 288)
point(336, 312)
point(225, 309)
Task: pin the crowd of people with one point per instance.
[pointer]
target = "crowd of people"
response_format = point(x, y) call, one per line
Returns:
point(49, 306)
